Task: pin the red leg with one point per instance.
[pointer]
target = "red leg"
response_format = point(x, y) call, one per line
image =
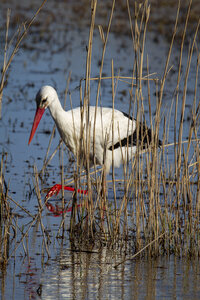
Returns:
point(57, 187)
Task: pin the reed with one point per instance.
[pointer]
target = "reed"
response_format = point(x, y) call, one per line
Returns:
point(155, 206)
point(5, 214)
point(8, 222)
point(160, 205)
point(158, 210)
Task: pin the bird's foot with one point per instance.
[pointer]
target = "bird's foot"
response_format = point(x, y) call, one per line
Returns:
point(53, 190)
point(57, 187)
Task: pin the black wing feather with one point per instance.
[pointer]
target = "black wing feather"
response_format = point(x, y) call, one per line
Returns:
point(144, 135)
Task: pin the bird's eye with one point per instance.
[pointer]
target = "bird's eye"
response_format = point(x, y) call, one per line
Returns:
point(44, 101)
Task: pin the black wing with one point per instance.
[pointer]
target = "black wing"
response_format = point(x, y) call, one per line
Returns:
point(144, 137)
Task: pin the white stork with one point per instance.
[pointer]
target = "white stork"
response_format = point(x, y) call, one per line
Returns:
point(114, 130)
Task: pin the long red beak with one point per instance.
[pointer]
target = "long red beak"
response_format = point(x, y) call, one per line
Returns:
point(38, 115)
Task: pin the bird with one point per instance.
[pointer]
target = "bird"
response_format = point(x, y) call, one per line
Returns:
point(113, 135)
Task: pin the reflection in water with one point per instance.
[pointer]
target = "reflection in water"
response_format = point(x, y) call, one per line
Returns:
point(91, 275)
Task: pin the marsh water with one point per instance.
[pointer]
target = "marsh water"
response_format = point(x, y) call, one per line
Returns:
point(55, 47)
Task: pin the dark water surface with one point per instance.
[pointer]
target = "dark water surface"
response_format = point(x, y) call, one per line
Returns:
point(56, 46)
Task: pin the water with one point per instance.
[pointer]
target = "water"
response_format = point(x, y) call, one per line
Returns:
point(75, 275)
point(55, 46)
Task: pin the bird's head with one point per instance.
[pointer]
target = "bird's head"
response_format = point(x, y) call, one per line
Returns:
point(44, 98)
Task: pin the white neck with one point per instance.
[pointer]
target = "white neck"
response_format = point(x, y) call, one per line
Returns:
point(64, 123)
point(55, 108)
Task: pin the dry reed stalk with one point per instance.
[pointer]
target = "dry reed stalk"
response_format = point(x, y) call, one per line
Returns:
point(139, 42)
point(73, 215)
point(63, 193)
point(113, 175)
point(104, 40)
point(178, 152)
point(194, 126)
point(45, 161)
point(62, 164)
point(20, 206)
point(45, 164)
point(22, 238)
point(37, 189)
point(122, 78)
point(84, 142)
point(184, 101)
point(86, 102)
point(5, 216)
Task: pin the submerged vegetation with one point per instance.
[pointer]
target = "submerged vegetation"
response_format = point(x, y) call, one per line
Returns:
point(155, 207)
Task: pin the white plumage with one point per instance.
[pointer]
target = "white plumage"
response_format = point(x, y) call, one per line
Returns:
point(121, 136)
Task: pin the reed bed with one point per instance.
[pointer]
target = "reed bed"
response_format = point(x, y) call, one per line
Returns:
point(10, 232)
point(157, 211)
point(161, 197)
point(155, 207)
